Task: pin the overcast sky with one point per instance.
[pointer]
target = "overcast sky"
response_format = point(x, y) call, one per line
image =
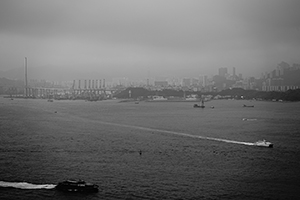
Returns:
point(149, 37)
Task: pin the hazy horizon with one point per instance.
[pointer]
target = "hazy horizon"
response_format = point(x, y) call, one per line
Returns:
point(136, 38)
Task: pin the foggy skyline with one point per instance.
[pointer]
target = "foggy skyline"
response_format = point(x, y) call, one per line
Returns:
point(72, 39)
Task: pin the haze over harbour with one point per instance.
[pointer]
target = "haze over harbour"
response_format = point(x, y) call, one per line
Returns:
point(43, 143)
point(111, 89)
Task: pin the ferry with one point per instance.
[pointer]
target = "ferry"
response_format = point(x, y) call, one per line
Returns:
point(263, 143)
point(77, 186)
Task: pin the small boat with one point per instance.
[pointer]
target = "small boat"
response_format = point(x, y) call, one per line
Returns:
point(199, 106)
point(77, 186)
point(248, 106)
point(263, 143)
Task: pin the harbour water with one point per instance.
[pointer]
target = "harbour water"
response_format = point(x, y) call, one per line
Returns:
point(186, 152)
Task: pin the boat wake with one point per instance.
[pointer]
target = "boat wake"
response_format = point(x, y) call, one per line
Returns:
point(24, 185)
point(181, 134)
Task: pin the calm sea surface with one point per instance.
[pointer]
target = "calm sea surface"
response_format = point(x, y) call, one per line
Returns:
point(42, 143)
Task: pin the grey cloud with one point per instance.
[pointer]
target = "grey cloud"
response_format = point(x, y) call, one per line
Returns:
point(159, 34)
point(31, 18)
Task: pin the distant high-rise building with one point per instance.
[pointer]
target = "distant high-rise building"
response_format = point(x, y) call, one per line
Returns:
point(279, 71)
point(79, 84)
point(241, 76)
point(284, 77)
point(203, 80)
point(233, 72)
point(161, 83)
point(223, 71)
point(96, 84)
point(195, 81)
point(284, 65)
point(186, 82)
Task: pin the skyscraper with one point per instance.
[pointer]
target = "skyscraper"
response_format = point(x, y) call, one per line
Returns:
point(203, 80)
point(223, 71)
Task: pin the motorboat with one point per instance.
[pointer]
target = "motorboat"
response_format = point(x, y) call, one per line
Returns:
point(198, 106)
point(251, 106)
point(77, 186)
point(263, 143)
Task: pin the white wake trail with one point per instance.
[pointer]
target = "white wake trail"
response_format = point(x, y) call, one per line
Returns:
point(179, 133)
point(24, 185)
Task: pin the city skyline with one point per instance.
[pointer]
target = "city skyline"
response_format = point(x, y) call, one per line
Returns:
point(283, 78)
point(34, 74)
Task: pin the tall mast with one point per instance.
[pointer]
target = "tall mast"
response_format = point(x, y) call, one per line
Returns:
point(26, 83)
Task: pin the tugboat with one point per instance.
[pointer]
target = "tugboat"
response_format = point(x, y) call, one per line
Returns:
point(263, 143)
point(199, 106)
point(77, 186)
